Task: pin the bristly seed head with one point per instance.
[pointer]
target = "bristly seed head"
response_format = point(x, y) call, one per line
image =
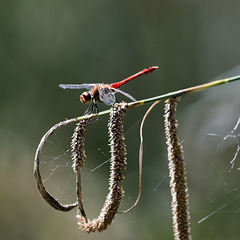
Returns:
point(117, 165)
point(178, 183)
point(78, 156)
point(78, 151)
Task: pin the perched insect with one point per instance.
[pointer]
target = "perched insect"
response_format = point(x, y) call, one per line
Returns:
point(104, 92)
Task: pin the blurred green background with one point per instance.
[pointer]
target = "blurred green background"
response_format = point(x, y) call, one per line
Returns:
point(45, 43)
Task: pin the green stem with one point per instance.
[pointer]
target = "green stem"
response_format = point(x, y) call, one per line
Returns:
point(171, 94)
point(184, 91)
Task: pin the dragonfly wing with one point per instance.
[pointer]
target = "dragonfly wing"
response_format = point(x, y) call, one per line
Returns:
point(106, 95)
point(77, 86)
point(124, 93)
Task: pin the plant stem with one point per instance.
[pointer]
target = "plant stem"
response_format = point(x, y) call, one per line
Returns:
point(185, 91)
point(171, 94)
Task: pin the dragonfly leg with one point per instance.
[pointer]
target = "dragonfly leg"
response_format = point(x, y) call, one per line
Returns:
point(92, 108)
point(95, 107)
point(89, 109)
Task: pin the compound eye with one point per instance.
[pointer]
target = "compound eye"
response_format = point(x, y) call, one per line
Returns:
point(85, 97)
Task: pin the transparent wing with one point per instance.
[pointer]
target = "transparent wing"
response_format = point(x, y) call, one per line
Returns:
point(106, 95)
point(77, 86)
point(124, 93)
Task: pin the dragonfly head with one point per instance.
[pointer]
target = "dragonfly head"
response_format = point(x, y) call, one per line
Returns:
point(85, 97)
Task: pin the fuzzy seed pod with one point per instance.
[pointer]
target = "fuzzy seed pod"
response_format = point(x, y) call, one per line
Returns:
point(78, 156)
point(117, 165)
point(178, 182)
point(78, 151)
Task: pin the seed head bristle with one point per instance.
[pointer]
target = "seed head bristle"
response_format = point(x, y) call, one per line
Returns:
point(117, 165)
point(177, 173)
point(77, 146)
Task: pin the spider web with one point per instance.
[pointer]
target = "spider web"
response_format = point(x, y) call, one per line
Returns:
point(56, 166)
point(210, 127)
point(229, 171)
point(58, 176)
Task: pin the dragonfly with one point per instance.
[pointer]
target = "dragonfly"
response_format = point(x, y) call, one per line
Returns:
point(105, 93)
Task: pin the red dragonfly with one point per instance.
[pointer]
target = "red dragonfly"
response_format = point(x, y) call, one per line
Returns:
point(104, 92)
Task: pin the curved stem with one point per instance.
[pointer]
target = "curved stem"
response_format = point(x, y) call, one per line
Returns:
point(45, 194)
point(140, 159)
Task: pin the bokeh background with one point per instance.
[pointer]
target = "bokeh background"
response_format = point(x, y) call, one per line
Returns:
point(45, 43)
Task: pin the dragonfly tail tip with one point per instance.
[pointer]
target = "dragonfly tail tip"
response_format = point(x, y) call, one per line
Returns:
point(150, 69)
